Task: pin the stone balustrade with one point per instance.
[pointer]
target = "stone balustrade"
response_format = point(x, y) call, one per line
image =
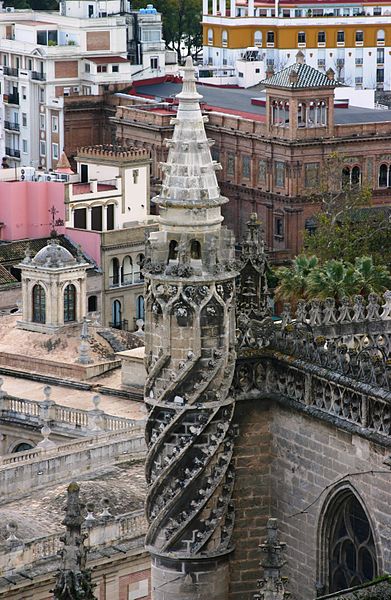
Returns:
point(104, 531)
point(60, 417)
point(23, 472)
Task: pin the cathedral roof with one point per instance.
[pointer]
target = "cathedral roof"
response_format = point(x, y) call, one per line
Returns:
point(189, 177)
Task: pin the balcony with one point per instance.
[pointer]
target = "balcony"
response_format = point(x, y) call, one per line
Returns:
point(11, 126)
point(12, 152)
point(11, 99)
point(38, 76)
point(10, 72)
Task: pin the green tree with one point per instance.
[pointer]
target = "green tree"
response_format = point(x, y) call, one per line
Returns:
point(293, 281)
point(333, 279)
point(346, 224)
point(371, 278)
point(181, 24)
point(34, 4)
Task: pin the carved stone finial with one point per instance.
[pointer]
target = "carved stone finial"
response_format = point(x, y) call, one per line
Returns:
point(74, 579)
point(46, 444)
point(272, 586)
point(84, 348)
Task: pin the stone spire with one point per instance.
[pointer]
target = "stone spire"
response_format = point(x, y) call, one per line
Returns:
point(189, 174)
point(190, 359)
point(74, 579)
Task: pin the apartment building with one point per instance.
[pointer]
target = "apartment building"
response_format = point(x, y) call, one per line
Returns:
point(351, 37)
point(85, 49)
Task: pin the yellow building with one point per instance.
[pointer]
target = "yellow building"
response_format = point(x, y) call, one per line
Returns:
point(354, 39)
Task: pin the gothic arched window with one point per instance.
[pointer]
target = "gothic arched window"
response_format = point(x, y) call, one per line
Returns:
point(39, 304)
point(114, 272)
point(127, 271)
point(351, 548)
point(69, 303)
point(356, 175)
point(383, 176)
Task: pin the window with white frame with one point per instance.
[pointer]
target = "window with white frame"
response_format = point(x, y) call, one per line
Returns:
point(42, 122)
point(24, 146)
point(24, 119)
point(154, 62)
point(54, 124)
point(55, 151)
point(42, 148)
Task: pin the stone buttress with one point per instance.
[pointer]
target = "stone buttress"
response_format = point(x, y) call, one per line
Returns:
point(190, 275)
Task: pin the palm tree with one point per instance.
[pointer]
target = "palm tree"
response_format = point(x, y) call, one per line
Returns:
point(371, 278)
point(293, 281)
point(334, 279)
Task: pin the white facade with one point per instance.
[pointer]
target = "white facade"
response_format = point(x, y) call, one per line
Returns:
point(112, 191)
point(360, 65)
point(46, 56)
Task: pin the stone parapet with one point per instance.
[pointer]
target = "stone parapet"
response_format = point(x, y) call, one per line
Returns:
point(35, 469)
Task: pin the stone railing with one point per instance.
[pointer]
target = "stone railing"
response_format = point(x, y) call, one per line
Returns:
point(316, 388)
point(103, 531)
point(24, 471)
point(358, 323)
point(61, 417)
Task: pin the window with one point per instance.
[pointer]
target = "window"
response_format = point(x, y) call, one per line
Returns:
point(69, 303)
point(87, 68)
point(359, 37)
point(116, 314)
point(110, 217)
point(24, 119)
point(224, 38)
point(151, 35)
point(92, 304)
point(96, 218)
point(380, 37)
point(262, 171)
point(279, 226)
point(42, 94)
point(279, 173)
point(127, 271)
point(154, 63)
point(24, 92)
point(384, 176)
point(42, 148)
point(115, 69)
point(135, 174)
point(42, 122)
point(24, 146)
point(258, 38)
point(340, 37)
point(210, 36)
point(101, 69)
point(80, 218)
point(321, 37)
point(55, 124)
point(55, 151)
point(114, 272)
point(379, 76)
point(23, 447)
point(356, 176)
point(350, 547)
point(246, 166)
point(195, 249)
point(270, 37)
point(140, 312)
point(30, 64)
point(301, 37)
point(380, 56)
point(173, 250)
point(377, 11)
point(311, 175)
point(39, 304)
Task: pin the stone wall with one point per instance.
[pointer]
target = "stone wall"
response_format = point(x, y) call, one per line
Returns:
point(284, 462)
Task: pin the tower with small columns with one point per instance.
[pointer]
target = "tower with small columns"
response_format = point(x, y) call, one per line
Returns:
point(190, 358)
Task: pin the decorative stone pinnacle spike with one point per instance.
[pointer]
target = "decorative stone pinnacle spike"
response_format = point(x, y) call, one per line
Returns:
point(74, 579)
point(189, 90)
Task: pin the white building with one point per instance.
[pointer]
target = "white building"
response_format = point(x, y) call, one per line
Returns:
point(86, 49)
point(112, 191)
point(352, 38)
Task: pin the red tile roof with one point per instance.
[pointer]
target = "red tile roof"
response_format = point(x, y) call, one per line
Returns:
point(104, 60)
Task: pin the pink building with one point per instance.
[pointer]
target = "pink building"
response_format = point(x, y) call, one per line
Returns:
point(26, 209)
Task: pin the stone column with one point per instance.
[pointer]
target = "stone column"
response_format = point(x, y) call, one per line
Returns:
point(205, 7)
point(250, 8)
point(104, 218)
point(232, 8)
point(89, 218)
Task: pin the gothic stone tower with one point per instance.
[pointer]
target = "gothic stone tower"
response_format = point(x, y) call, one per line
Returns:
point(190, 359)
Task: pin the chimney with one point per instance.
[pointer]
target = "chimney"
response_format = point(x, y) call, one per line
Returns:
point(330, 74)
point(293, 76)
point(300, 58)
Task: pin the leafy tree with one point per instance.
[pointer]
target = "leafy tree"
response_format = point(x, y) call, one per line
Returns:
point(347, 226)
point(34, 4)
point(293, 281)
point(181, 23)
point(308, 279)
